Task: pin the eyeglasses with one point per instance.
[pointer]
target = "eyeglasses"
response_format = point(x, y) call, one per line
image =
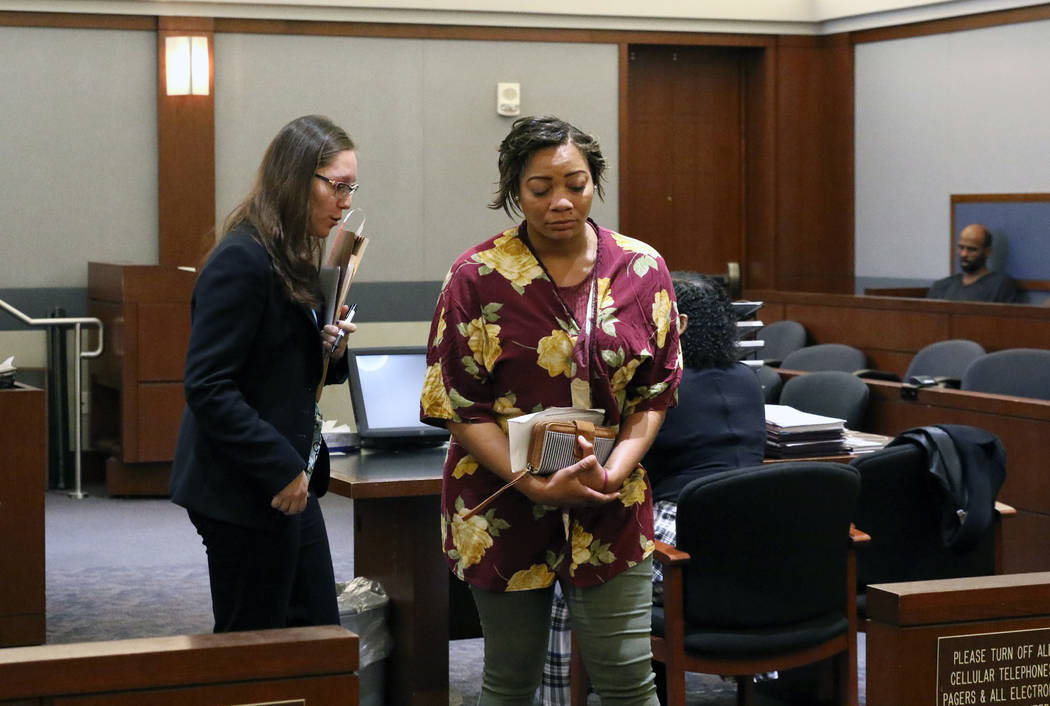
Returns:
point(342, 189)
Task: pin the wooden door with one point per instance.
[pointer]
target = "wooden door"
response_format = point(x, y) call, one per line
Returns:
point(682, 186)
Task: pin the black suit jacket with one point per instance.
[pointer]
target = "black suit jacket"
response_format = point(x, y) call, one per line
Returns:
point(252, 368)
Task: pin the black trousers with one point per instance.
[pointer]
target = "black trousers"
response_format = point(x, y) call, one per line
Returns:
point(270, 579)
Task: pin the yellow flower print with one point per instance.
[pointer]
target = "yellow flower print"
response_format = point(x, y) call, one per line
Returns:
point(466, 467)
point(511, 258)
point(632, 492)
point(439, 332)
point(588, 550)
point(606, 307)
point(470, 538)
point(555, 354)
point(504, 406)
point(661, 316)
point(581, 546)
point(483, 339)
point(536, 576)
point(648, 545)
point(633, 245)
point(623, 374)
point(435, 400)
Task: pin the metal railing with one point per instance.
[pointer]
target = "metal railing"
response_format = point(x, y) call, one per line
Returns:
point(76, 322)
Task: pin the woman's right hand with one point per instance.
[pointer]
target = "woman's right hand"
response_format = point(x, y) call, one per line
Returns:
point(292, 498)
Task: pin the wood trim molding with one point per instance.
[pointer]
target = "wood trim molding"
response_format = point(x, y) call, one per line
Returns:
point(624, 51)
point(185, 156)
point(992, 198)
point(70, 20)
point(995, 18)
point(506, 34)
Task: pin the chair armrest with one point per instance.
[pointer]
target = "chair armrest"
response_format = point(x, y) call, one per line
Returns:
point(1004, 510)
point(668, 555)
point(858, 537)
point(871, 374)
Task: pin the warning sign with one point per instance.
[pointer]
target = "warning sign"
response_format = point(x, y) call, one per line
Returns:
point(994, 668)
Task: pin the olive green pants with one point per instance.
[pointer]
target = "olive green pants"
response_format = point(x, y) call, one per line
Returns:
point(611, 623)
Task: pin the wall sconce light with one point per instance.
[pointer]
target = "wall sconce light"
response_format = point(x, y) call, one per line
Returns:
point(187, 66)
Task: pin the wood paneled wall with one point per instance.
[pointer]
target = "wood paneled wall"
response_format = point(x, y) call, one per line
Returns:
point(813, 174)
point(890, 330)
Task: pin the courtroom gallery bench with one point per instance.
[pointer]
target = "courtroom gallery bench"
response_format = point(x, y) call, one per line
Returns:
point(315, 666)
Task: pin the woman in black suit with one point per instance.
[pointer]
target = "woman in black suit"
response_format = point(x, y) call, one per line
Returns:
point(250, 463)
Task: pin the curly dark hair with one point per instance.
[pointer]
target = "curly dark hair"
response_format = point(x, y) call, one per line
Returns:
point(532, 133)
point(710, 339)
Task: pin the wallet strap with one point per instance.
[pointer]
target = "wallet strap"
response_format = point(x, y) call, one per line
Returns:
point(488, 501)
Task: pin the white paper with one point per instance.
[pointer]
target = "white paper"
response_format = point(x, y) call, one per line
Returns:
point(8, 365)
point(520, 428)
point(785, 417)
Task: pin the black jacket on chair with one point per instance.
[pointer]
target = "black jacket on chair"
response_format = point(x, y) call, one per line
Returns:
point(969, 467)
point(252, 368)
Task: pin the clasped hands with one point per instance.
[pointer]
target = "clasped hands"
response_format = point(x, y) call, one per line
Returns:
point(331, 340)
point(584, 483)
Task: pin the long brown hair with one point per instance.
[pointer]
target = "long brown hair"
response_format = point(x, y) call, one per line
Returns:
point(278, 205)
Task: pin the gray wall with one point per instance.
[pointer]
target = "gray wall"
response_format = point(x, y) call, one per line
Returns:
point(423, 113)
point(78, 158)
point(78, 161)
point(958, 113)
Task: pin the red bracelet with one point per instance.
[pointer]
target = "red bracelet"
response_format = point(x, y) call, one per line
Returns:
point(605, 483)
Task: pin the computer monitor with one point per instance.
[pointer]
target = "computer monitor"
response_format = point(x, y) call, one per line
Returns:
point(385, 386)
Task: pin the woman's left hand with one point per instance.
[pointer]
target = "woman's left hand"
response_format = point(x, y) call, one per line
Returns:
point(333, 343)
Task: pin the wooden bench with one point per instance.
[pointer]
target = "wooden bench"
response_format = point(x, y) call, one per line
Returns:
point(309, 666)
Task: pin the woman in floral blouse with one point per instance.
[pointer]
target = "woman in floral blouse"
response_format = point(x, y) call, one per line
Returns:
point(555, 312)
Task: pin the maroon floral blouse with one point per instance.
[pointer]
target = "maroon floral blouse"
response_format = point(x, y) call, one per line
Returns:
point(504, 343)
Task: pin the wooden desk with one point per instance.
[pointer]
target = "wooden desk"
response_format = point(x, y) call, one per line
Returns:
point(23, 480)
point(397, 541)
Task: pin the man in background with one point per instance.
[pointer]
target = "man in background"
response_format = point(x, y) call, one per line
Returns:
point(975, 282)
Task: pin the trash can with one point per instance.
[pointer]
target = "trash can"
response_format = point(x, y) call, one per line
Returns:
point(363, 605)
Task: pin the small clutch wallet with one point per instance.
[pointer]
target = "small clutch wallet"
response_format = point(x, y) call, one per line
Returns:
point(552, 445)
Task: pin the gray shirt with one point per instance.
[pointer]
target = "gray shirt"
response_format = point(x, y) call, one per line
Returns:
point(992, 287)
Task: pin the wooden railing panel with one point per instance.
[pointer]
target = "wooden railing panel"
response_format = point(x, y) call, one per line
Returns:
point(96, 672)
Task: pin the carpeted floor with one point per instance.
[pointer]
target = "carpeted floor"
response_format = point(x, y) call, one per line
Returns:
point(134, 567)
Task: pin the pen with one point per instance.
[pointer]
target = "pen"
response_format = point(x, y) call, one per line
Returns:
point(348, 319)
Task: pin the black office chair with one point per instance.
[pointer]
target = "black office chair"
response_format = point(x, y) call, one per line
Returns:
point(899, 508)
point(945, 361)
point(831, 393)
point(762, 578)
point(780, 338)
point(1022, 372)
point(826, 356)
point(771, 383)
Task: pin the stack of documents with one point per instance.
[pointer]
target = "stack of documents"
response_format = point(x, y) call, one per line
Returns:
point(791, 433)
